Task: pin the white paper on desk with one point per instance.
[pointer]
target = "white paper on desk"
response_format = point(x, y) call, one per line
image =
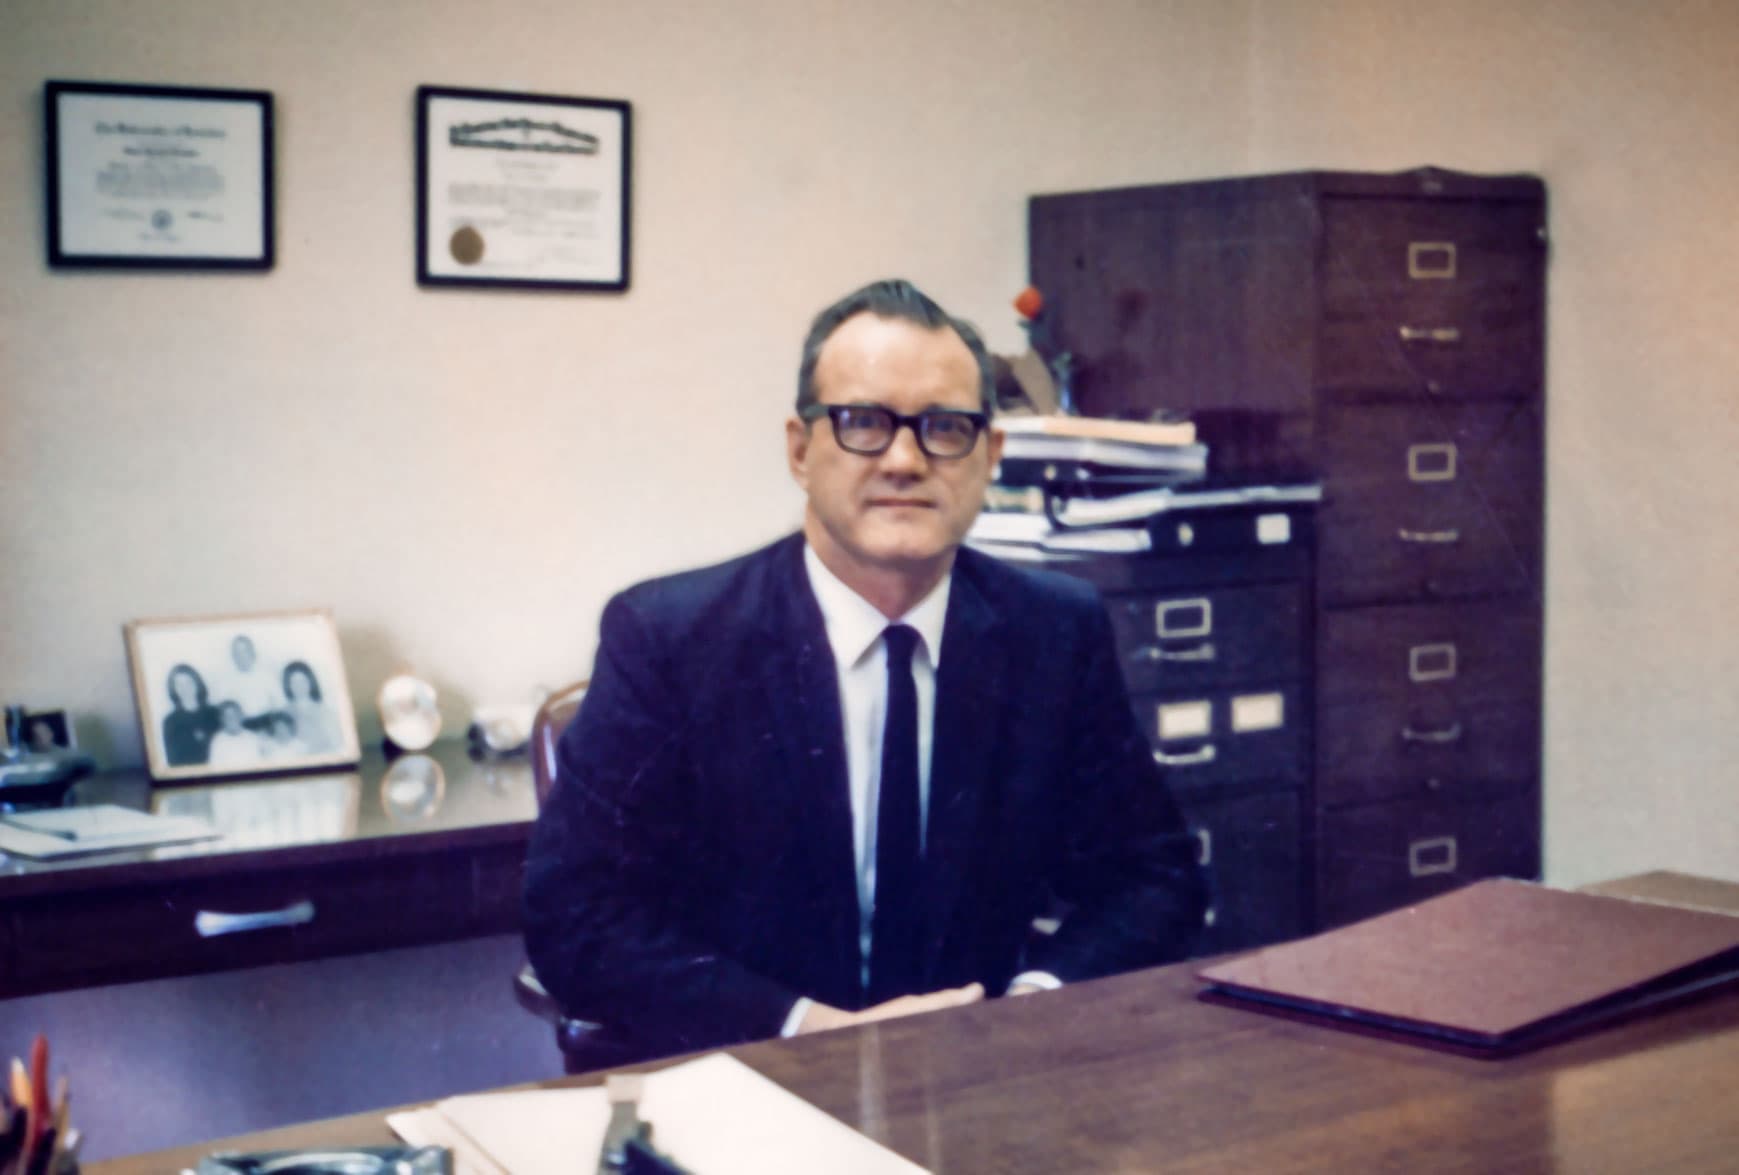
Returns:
point(94, 828)
point(713, 1116)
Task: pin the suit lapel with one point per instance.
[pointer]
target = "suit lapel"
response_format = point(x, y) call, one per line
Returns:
point(969, 701)
point(801, 689)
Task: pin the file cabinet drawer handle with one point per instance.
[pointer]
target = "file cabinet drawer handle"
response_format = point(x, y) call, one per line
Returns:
point(211, 924)
point(1202, 652)
point(1196, 758)
point(1429, 537)
point(1439, 737)
point(1429, 334)
point(1431, 856)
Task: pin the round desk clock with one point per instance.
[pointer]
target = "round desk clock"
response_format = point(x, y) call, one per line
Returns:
point(409, 716)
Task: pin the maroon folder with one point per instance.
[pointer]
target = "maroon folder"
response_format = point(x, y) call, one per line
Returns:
point(1492, 969)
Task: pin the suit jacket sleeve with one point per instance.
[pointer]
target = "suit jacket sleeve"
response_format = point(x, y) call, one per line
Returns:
point(604, 923)
point(1128, 864)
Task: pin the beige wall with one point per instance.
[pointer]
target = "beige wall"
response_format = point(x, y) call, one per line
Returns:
point(1628, 112)
point(465, 477)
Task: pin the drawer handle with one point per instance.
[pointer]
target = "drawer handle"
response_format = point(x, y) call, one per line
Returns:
point(1202, 652)
point(1429, 334)
point(1447, 734)
point(211, 924)
point(1195, 758)
point(1420, 854)
point(1429, 537)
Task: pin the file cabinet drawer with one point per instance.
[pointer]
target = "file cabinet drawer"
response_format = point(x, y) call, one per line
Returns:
point(1380, 856)
point(1442, 296)
point(1391, 749)
point(1191, 639)
point(1429, 505)
point(1415, 652)
point(1228, 737)
point(1249, 846)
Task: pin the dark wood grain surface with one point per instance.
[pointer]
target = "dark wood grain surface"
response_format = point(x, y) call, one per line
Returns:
point(376, 858)
point(1133, 1074)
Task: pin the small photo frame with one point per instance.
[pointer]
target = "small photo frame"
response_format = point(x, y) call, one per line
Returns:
point(241, 695)
point(43, 731)
point(527, 191)
point(158, 177)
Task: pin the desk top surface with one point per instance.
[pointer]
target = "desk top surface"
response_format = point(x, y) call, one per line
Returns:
point(377, 807)
point(1134, 1074)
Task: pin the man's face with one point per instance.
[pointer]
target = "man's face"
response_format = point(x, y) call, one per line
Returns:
point(242, 650)
point(901, 510)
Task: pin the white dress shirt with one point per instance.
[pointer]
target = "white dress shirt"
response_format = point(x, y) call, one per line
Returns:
point(860, 658)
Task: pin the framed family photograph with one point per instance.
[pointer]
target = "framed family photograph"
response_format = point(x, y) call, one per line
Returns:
point(522, 190)
point(241, 695)
point(161, 177)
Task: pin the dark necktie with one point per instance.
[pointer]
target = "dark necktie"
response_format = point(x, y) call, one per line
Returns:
point(895, 928)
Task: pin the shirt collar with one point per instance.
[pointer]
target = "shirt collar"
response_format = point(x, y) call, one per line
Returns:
point(854, 624)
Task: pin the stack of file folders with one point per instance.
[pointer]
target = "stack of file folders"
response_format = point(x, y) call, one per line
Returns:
point(1087, 455)
point(1073, 486)
point(1054, 466)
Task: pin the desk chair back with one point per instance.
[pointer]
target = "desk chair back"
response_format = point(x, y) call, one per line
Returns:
point(584, 1045)
point(546, 731)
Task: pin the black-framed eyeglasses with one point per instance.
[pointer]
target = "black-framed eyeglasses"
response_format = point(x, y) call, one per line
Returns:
point(869, 429)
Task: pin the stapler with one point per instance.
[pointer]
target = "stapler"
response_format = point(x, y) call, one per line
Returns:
point(628, 1146)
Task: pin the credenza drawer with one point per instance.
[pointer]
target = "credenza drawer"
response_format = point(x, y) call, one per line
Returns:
point(1379, 856)
point(1248, 845)
point(1412, 652)
point(184, 927)
point(1443, 296)
point(1191, 639)
point(1227, 737)
point(1422, 505)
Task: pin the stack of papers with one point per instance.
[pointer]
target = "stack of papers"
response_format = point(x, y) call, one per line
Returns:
point(95, 828)
point(1008, 532)
point(712, 1116)
point(1106, 444)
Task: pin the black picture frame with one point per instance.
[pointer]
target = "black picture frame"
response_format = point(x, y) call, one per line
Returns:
point(552, 209)
point(158, 177)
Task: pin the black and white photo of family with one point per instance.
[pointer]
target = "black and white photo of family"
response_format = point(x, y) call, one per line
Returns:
point(223, 703)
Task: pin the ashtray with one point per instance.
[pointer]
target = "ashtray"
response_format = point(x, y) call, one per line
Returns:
point(362, 1160)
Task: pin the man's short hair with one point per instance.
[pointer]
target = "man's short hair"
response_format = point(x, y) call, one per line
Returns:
point(897, 299)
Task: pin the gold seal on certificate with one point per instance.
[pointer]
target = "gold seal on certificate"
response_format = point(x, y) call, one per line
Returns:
point(466, 245)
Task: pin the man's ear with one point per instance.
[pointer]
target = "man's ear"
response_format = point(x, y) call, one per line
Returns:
point(797, 450)
point(993, 444)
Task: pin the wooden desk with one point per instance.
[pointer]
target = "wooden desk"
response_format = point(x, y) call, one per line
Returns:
point(1132, 1074)
point(361, 860)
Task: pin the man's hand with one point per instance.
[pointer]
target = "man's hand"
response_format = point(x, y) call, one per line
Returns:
point(821, 1017)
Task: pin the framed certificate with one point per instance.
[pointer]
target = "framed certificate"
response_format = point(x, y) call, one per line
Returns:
point(158, 176)
point(522, 190)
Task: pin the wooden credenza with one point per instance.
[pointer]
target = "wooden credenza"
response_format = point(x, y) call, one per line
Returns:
point(427, 848)
point(1385, 334)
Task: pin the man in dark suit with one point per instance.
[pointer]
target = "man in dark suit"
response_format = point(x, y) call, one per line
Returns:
point(835, 779)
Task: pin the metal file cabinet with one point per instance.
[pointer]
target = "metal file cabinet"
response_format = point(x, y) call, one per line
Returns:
point(1213, 633)
point(1384, 333)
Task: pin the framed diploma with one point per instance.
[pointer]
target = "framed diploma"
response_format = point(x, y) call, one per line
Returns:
point(159, 177)
point(522, 190)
